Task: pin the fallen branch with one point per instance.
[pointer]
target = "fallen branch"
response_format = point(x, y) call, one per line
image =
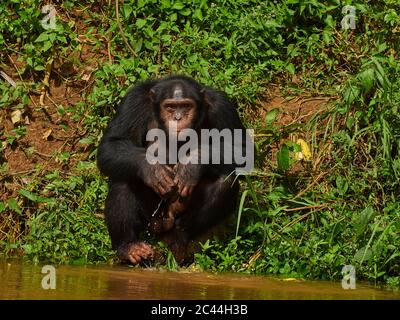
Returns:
point(8, 78)
point(307, 207)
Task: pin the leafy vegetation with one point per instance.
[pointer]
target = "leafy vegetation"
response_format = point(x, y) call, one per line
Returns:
point(326, 190)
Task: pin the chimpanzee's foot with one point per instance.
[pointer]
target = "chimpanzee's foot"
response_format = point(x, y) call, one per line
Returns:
point(136, 252)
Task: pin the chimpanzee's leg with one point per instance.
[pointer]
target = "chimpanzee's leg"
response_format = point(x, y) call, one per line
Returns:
point(123, 211)
point(210, 203)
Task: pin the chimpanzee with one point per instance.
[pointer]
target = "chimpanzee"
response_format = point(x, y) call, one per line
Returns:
point(178, 201)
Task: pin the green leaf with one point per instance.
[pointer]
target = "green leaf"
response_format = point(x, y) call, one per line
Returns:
point(185, 12)
point(52, 37)
point(365, 217)
point(166, 4)
point(290, 68)
point(87, 141)
point(140, 23)
point(62, 39)
point(271, 116)
point(178, 6)
point(241, 208)
point(32, 196)
point(342, 185)
point(2, 206)
point(381, 75)
point(363, 254)
point(13, 205)
point(367, 78)
point(329, 21)
point(127, 10)
point(198, 14)
point(351, 93)
point(138, 44)
point(283, 158)
point(152, 68)
point(27, 248)
point(327, 35)
point(166, 38)
point(350, 122)
point(85, 165)
point(46, 46)
point(293, 146)
point(39, 68)
point(42, 37)
point(296, 147)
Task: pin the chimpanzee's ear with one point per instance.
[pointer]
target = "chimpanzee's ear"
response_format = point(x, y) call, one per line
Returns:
point(152, 94)
point(205, 97)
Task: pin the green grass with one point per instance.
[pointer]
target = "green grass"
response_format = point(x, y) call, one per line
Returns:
point(342, 206)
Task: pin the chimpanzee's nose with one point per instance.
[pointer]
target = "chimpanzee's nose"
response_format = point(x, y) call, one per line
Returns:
point(177, 116)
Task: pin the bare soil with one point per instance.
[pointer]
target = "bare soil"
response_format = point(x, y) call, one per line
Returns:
point(293, 109)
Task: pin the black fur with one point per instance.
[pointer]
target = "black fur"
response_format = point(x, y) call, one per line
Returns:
point(121, 157)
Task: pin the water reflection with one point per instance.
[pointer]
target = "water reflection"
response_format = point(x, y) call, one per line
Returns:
point(23, 281)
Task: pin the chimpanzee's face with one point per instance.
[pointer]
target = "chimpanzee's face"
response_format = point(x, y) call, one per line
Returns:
point(178, 110)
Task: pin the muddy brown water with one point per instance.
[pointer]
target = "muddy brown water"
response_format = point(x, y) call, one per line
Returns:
point(24, 281)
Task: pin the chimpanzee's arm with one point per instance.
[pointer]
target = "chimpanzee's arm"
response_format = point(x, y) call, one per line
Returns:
point(222, 114)
point(121, 153)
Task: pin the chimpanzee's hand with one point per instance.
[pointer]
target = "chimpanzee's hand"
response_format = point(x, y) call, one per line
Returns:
point(160, 178)
point(186, 178)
